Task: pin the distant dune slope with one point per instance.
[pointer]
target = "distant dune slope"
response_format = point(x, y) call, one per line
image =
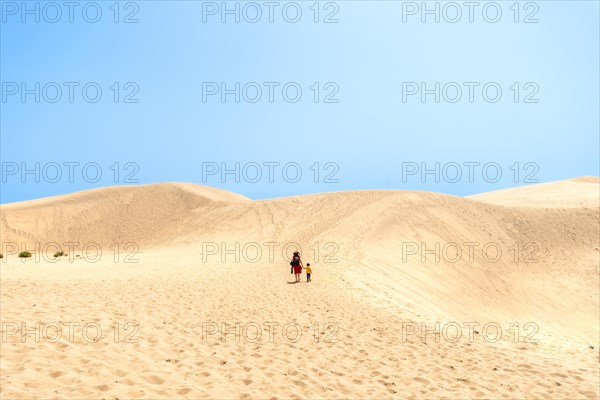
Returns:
point(578, 192)
point(547, 271)
point(147, 215)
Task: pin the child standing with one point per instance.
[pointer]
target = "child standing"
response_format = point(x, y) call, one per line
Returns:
point(308, 272)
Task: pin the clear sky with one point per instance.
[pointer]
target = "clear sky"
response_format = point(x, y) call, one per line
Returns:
point(386, 92)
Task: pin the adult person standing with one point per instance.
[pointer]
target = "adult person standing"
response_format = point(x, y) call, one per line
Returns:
point(297, 266)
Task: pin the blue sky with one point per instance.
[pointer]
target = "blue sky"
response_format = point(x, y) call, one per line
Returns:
point(365, 127)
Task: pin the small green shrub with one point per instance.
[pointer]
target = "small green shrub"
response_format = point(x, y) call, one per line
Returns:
point(24, 254)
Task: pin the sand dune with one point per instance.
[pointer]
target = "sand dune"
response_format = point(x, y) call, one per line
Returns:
point(578, 192)
point(385, 262)
point(146, 215)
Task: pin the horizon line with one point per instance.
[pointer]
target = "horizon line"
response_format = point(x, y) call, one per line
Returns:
point(577, 178)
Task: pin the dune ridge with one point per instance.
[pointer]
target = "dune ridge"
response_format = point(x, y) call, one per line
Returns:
point(572, 193)
point(375, 272)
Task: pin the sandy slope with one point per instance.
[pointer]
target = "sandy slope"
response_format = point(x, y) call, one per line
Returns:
point(577, 192)
point(373, 286)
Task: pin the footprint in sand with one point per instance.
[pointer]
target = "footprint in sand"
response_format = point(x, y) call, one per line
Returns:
point(57, 374)
point(153, 379)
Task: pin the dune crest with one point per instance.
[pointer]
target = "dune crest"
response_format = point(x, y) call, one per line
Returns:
point(147, 215)
point(571, 193)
